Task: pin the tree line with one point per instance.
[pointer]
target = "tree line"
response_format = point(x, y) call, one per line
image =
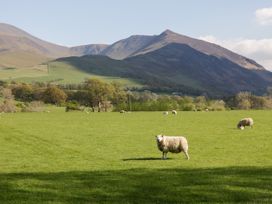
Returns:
point(97, 95)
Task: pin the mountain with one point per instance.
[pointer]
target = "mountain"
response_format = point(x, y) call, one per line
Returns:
point(92, 49)
point(166, 62)
point(20, 49)
point(127, 47)
point(13, 39)
point(179, 68)
point(140, 44)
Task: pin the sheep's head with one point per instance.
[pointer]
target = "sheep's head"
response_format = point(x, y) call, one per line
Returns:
point(241, 127)
point(159, 138)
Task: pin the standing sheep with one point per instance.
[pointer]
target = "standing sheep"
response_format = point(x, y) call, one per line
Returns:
point(165, 113)
point(174, 144)
point(174, 112)
point(245, 122)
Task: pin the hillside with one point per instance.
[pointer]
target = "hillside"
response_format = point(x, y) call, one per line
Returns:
point(127, 47)
point(168, 62)
point(92, 49)
point(14, 39)
point(179, 68)
point(141, 44)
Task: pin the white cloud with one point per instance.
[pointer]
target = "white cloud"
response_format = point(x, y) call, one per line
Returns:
point(258, 50)
point(264, 16)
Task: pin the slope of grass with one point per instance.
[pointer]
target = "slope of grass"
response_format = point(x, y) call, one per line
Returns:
point(60, 73)
point(20, 59)
point(60, 157)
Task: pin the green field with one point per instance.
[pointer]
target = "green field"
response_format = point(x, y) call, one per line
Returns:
point(59, 73)
point(76, 157)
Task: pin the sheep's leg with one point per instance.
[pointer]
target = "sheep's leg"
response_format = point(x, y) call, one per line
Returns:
point(187, 155)
point(165, 155)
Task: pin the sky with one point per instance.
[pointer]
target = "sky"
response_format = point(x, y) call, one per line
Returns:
point(244, 26)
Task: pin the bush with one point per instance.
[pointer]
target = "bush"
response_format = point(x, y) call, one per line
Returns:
point(73, 106)
point(23, 92)
point(217, 105)
point(8, 106)
point(54, 95)
point(34, 106)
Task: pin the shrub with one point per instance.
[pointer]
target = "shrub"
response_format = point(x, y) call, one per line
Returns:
point(8, 106)
point(23, 92)
point(34, 106)
point(73, 106)
point(54, 95)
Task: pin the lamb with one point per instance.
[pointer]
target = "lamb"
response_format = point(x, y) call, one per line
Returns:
point(174, 112)
point(165, 113)
point(174, 144)
point(245, 122)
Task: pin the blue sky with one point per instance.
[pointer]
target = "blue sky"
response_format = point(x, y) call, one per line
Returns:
point(76, 22)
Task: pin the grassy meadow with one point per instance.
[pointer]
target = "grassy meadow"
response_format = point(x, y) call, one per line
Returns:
point(75, 157)
point(58, 72)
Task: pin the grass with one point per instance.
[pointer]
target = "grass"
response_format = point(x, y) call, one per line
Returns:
point(60, 73)
point(20, 59)
point(60, 157)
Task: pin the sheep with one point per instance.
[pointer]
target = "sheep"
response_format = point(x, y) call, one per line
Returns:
point(245, 122)
point(122, 111)
point(165, 113)
point(174, 144)
point(174, 112)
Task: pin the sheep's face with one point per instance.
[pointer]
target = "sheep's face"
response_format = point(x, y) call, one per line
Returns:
point(159, 138)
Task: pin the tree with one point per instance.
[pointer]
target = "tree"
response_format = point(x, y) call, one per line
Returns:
point(243, 100)
point(54, 95)
point(23, 92)
point(98, 92)
point(8, 104)
point(200, 103)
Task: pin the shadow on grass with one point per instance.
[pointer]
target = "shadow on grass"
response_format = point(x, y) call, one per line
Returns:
point(220, 185)
point(144, 158)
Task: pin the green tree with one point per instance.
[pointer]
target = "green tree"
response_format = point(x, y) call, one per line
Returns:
point(98, 92)
point(23, 92)
point(54, 95)
point(243, 100)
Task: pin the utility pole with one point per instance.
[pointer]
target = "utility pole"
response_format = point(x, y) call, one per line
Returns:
point(48, 68)
point(129, 100)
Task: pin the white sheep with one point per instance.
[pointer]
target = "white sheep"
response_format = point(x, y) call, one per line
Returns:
point(174, 112)
point(165, 113)
point(173, 144)
point(245, 122)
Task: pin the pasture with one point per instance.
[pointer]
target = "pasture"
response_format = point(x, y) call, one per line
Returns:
point(75, 157)
point(58, 72)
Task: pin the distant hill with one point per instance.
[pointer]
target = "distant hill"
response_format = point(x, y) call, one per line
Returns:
point(180, 68)
point(13, 39)
point(141, 44)
point(166, 62)
point(127, 47)
point(92, 49)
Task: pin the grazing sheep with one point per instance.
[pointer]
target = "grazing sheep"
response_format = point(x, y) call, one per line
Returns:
point(122, 111)
point(174, 144)
point(165, 113)
point(245, 122)
point(174, 112)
